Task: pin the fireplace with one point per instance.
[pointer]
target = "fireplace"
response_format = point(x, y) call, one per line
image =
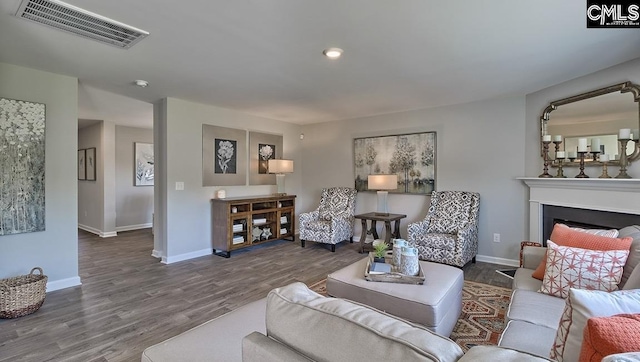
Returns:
point(589, 203)
point(587, 219)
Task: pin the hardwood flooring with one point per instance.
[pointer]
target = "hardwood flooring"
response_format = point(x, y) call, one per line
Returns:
point(129, 300)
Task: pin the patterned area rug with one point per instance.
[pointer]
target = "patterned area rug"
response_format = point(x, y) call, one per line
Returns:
point(482, 318)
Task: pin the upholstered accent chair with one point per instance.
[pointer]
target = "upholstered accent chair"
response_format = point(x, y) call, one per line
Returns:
point(449, 232)
point(332, 221)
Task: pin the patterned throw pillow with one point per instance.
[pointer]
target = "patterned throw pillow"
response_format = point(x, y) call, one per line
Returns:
point(581, 269)
point(449, 214)
point(609, 233)
point(582, 305)
point(565, 236)
point(609, 335)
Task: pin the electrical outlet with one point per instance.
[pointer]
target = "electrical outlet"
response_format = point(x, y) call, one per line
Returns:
point(496, 238)
point(179, 186)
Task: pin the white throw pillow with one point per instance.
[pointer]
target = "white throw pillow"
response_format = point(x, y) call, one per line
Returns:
point(582, 305)
point(568, 267)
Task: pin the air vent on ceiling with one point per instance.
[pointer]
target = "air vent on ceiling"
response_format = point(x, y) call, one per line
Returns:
point(78, 21)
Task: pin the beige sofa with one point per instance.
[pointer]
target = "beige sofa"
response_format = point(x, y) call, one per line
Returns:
point(296, 324)
point(533, 318)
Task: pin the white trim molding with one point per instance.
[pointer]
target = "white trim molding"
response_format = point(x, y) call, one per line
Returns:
point(186, 256)
point(100, 233)
point(63, 283)
point(495, 260)
point(134, 227)
point(613, 195)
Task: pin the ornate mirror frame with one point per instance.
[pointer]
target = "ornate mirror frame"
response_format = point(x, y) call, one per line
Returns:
point(626, 87)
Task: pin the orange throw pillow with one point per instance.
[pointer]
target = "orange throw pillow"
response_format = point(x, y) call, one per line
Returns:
point(563, 235)
point(608, 335)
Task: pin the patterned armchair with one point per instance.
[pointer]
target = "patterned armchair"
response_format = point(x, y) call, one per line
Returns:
point(332, 221)
point(449, 232)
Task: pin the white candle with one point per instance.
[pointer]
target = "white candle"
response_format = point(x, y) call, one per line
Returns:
point(546, 138)
point(595, 145)
point(571, 154)
point(582, 145)
point(624, 134)
point(635, 134)
point(560, 154)
point(604, 158)
point(557, 138)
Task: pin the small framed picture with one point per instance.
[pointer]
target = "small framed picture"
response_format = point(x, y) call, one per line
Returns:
point(90, 168)
point(82, 164)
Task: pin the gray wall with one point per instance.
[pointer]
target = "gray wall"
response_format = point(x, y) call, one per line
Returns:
point(479, 148)
point(56, 248)
point(90, 193)
point(536, 103)
point(134, 204)
point(186, 223)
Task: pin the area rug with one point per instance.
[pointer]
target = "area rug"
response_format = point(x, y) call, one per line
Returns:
point(482, 318)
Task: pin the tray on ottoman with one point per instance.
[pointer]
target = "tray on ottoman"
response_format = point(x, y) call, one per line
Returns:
point(394, 276)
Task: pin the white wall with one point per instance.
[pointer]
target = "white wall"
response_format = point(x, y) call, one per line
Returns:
point(90, 195)
point(97, 199)
point(479, 148)
point(134, 204)
point(186, 224)
point(56, 248)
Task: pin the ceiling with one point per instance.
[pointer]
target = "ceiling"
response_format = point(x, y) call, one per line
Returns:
point(264, 57)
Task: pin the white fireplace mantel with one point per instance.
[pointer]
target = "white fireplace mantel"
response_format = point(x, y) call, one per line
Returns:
point(614, 195)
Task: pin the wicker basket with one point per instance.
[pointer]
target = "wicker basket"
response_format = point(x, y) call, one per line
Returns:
point(22, 295)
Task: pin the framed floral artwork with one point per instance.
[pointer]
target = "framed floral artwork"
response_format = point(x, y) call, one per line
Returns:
point(144, 162)
point(410, 156)
point(224, 156)
point(262, 148)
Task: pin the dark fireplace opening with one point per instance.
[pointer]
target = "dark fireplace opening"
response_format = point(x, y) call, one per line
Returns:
point(583, 218)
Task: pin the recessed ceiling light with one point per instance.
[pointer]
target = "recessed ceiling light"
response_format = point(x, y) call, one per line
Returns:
point(141, 83)
point(333, 53)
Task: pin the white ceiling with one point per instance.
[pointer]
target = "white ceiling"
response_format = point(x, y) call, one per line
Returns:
point(264, 57)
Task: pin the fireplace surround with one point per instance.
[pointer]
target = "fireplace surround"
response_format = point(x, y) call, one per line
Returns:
point(606, 203)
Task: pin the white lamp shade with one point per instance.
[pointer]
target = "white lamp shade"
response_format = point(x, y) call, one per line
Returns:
point(280, 166)
point(382, 182)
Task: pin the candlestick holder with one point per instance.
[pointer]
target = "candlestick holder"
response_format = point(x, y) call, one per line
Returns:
point(545, 153)
point(623, 159)
point(594, 155)
point(581, 157)
point(557, 143)
point(560, 173)
point(604, 171)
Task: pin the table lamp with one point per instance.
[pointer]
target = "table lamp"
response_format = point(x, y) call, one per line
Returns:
point(382, 183)
point(279, 168)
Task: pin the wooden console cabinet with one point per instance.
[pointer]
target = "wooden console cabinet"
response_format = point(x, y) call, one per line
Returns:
point(241, 222)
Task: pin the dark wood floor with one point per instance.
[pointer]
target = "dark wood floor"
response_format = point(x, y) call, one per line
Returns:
point(129, 300)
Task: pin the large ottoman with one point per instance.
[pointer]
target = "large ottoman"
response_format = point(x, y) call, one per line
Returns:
point(436, 304)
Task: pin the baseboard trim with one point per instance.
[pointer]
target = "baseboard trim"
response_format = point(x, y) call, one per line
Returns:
point(156, 253)
point(495, 260)
point(100, 233)
point(63, 283)
point(133, 227)
point(186, 256)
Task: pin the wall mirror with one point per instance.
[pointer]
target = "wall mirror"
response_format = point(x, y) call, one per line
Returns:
point(598, 115)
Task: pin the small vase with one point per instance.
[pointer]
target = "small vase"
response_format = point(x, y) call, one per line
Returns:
point(397, 250)
point(409, 261)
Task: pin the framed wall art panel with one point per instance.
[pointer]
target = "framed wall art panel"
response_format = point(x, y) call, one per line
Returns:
point(143, 168)
point(410, 156)
point(82, 165)
point(224, 156)
point(262, 148)
point(22, 187)
point(91, 164)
